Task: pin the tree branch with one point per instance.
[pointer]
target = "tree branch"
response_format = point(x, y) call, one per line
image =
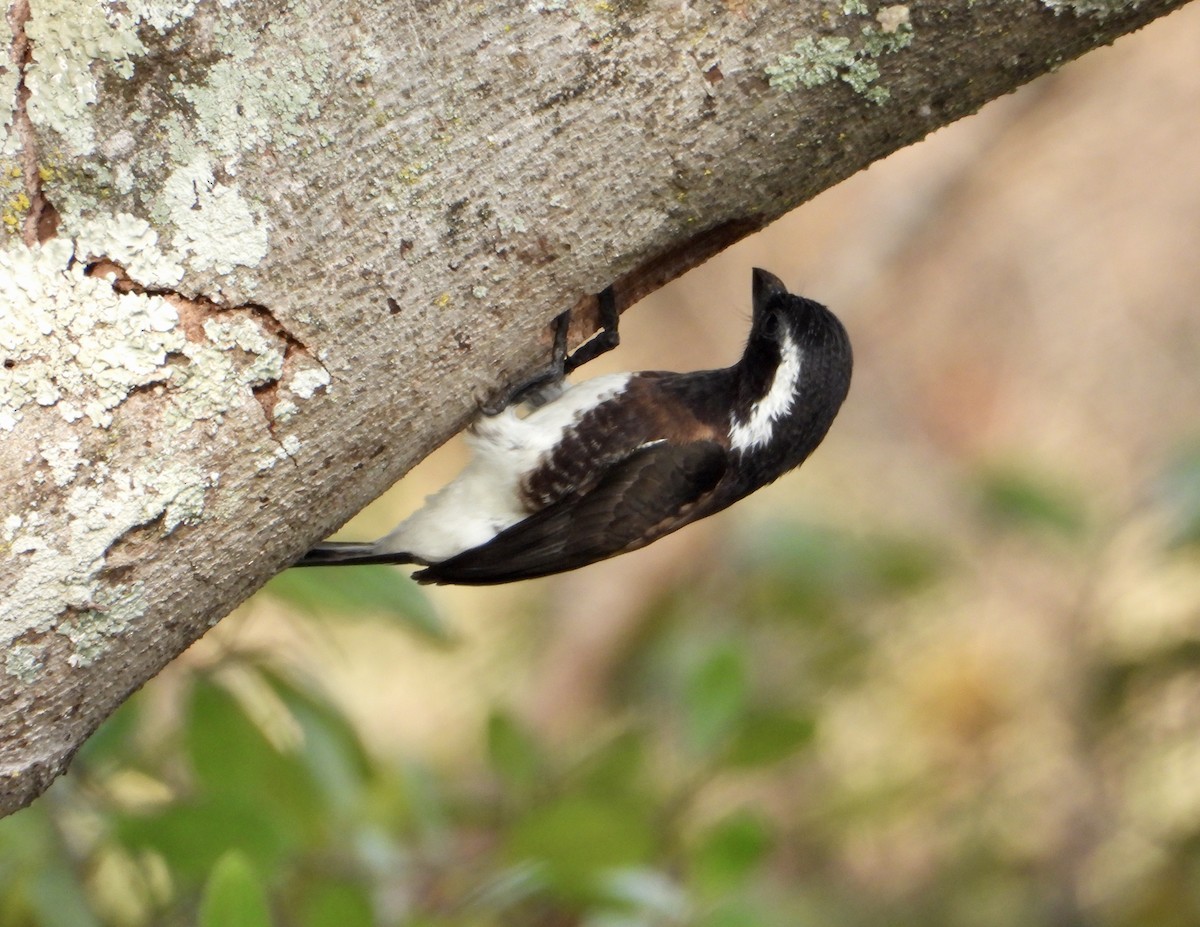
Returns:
point(261, 260)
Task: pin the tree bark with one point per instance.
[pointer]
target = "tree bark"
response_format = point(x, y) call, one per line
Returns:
point(259, 259)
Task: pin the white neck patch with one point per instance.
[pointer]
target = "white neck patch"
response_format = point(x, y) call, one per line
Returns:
point(757, 430)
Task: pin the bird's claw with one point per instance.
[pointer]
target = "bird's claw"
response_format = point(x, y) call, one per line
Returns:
point(545, 385)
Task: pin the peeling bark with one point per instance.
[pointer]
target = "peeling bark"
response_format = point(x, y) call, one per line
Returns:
point(315, 233)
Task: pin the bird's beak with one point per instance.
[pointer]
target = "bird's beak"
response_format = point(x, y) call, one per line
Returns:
point(766, 285)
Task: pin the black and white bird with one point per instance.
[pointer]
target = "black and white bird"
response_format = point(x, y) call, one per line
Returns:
point(610, 464)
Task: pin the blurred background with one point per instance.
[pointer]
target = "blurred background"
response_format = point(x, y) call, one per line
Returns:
point(947, 673)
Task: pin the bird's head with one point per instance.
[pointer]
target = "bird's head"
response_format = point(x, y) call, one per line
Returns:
point(793, 376)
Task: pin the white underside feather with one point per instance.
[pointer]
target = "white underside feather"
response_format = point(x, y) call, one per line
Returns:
point(485, 498)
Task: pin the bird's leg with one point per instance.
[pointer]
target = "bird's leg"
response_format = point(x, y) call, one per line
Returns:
point(543, 386)
point(607, 338)
point(531, 389)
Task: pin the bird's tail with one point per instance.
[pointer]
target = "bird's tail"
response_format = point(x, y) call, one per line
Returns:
point(350, 553)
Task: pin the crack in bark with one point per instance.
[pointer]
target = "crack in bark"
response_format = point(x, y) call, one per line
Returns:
point(41, 221)
point(206, 307)
point(194, 311)
point(133, 547)
point(267, 397)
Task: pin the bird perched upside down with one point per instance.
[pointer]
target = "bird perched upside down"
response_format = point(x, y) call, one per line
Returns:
point(618, 461)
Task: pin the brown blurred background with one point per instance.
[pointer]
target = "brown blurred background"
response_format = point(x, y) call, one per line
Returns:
point(1021, 290)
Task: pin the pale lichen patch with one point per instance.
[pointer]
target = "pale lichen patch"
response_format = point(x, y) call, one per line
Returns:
point(14, 200)
point(241, 106)
point(92, 630)
point(302, 380)
point(216, 226)
point(133, 244)
point(61, 555)
point(243, 332)
point(76, 43)
point(1097, 9)
point(81, 340)
point(287, 449)
point(10, 142)
point(240, 101)
point(9, 528)
point(63, 458)
point(71, 340)
point(284, 409)
point(161, 15)
point(25, 661)
point(122, 354)
point(893, 18)
point(186, 506)
point(307, 379)
point(71, 39)
point(815, 61)
point(237, 357)
point(83, 343)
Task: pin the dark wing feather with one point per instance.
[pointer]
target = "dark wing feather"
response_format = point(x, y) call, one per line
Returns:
point(651, 493)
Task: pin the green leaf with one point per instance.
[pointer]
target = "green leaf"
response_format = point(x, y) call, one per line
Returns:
point(735, 912)
point(765, 737)
point(1018, 499)
point(902, 565)
point(337, 904)
point(576, 840)
point(730, 852)
point(38, 882)
point(251, 796)
point(1179, 493)
point(332, 750)
point(715, 698)
point(60, 899)
point(513, 753)
point(812, 571)
point(234, 896)
point(425, 807)
point(615, 769)
point(803, 569)
point(28, 839)
point(361, 590)
point(231, 756)
point(192, 836)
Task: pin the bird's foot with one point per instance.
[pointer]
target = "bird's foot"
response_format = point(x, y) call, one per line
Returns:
point(546, 384)
point(606, 338)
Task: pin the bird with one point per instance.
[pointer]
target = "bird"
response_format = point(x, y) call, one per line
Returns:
point(591, 470)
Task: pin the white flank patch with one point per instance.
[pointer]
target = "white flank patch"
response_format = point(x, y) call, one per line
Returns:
point(758, 429)
point(485, 498)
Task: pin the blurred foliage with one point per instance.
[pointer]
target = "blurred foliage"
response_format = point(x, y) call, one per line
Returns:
point(1016, 497)
point(782, 746)
point(1179, 489)
point(372, 589)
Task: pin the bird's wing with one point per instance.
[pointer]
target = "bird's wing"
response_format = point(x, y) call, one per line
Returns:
point(650, 493)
